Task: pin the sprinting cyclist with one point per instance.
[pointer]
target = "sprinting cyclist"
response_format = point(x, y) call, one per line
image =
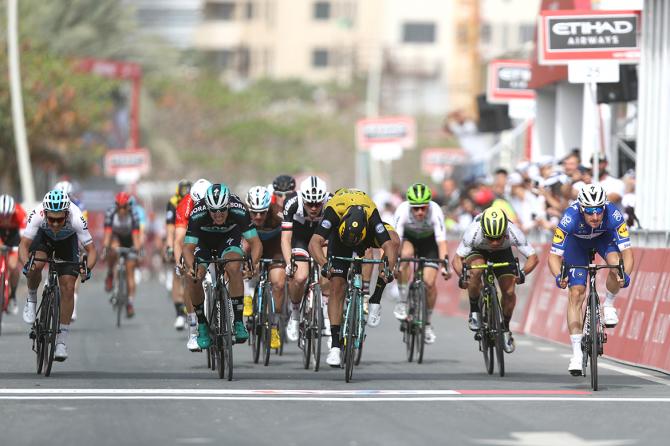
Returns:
point(590, 223)
point(183, 189)
point(269, 228)
point(302, 215)
point(56, 226)
point(218, 222)
point(12, 225)
point(490, 237)
point(122, 230)
point(283, 189)
point(419, 222)
point(351, 224)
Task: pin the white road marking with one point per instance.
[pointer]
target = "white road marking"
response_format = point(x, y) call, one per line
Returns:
point(229, 392)
point(523, 342)
point(370, 399)
point(634, 372)
point(546, 349)
point(551, 439)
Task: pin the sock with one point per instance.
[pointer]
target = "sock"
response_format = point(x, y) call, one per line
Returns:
point(32, 296)
point(609, 299)
point(192, 319)
point(402, 292)
point(430, 315)
point(295, 311)
point(200, 313)
point(238, 306)
point(335, 336)
point(474, 304)
point(180, 308)
point(366, 287)
point(61, 338)
point(576, 340)
point(12, 295)
point(379, 289)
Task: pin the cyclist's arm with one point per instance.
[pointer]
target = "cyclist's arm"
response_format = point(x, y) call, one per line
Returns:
point(628, 260)
point(531, 262)
point(286, 237)
point(316, 250)
point(457, 264)
point(24, 247)
point(256, 248)
point(179, 235)
point(137, 245)
point(189, 255)
point(287, 228)
point(443, 249)
point(91, 255)
point(169, 236)
point(391, 251)
point(555, 261)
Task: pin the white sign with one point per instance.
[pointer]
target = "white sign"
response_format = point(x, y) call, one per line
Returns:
point(521, 109)
point(386, 152)
point(593, 71)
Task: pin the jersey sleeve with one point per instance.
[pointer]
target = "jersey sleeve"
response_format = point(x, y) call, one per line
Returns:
point(170, 213)
point(375, 224)
point(80, 226)
point(183, 210)
point(467, 242)
point(330, 219)
point(400, 218)
point(33, 222)
point(290, 208)
point(563, 230)
point(617, 225)
point(518, 239)
point(109, 219)
point(193, 228)
point(438, 222)
point(240, 214)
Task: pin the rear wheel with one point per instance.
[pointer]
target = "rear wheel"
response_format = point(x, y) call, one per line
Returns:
point(420, 323)
point(39, 328)
point(219, 327)
point(228, 338)
point(410, 334)
point(594, 332)
point(266, 326)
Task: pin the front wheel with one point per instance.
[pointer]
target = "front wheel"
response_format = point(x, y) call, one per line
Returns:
point(349, 339)
point(305, 327)
point(594, 332)
point(410, 332)
point(486, 344)
point(317, 328)
point(52, 323)
point(420, 322)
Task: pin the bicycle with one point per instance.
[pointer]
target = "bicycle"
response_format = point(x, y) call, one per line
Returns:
point(491, 332)
point(119, 297)
point(353, 332)
point(47, 321)
point(311, 316)
point(5, 288)
point(264, 308)
point(594, 336)
point(221, 316)
point(414, 326)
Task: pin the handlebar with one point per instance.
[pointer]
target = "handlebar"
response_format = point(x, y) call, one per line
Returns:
point(592, 267)
point(82, 264)
point(489, 265)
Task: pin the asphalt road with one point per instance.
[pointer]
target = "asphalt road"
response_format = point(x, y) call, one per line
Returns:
point(139, 385)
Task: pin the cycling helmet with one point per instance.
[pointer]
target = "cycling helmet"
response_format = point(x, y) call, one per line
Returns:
point(122, 199)
point(258, 199)
point(494, 223)
point(199, 189)
point(56, 201)
point(283, 183)
point(183, 187)
point(7, 205)
point(419, 194)
point(592, 195)
point(65, 186)
point(313, 189)
point(217, 196)
point(353, 227)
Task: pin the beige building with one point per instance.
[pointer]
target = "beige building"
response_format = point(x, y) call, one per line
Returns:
point(507, 27)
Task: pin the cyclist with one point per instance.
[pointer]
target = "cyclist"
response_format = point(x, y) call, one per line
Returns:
point(590, 223)
point(419, 222)
point(12, 225)
point(122, 230)
point(56, 226)
point(218, 222)
point(269, 228)
point(183, 189)
point(302, 215)
point(351, 223)
point(197, 192)
point(283, 189)
point(490, 237)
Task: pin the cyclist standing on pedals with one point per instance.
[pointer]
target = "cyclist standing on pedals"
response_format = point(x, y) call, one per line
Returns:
point(12, 225)
point(183, 189)
point(302, 215)
point(269, 228)
point(283, 189)
point(218, 222)
point(122, 230)
point(351, 224)
point(419, 222)
point(590, 223)
point(56, 226)
point(490, 237)
point(184, 209)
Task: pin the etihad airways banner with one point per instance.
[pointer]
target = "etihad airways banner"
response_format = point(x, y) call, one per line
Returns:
point(569, 35)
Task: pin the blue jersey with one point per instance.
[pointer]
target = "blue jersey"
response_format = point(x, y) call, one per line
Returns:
point(573, 226)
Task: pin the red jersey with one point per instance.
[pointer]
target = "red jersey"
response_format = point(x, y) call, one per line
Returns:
point(184, 209)
point(16, 221)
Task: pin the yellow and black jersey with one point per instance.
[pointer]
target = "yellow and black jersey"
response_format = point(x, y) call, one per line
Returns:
point(344, 198)
point(171, 209)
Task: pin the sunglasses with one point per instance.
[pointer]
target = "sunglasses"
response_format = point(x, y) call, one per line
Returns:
point(125, 206)
point(593, 210)
point(54, 220)
point(281, 194)
point(313, 205)
point(258, 212)
point(419, 208)
point(218, 211)
point(493, 239)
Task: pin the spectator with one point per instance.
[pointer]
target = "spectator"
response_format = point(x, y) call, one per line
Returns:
point(613, 186)
point(628, 200)
point(499, 186)
point(523, 201)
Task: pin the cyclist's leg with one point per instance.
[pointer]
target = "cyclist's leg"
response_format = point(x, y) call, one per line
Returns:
point(608, 250)
point(576, 253)
point(338, 283)
point(376, 296)
point(67, 249)
point(131, 264)
point(233, 250)
point(195, 290)
point(406, 251)
point(14, 272)
point(278, 279)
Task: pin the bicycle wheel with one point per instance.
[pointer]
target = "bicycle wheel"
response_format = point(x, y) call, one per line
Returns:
point(485, 341)
point(409, 323)
point(38, 330)
point(53, 315)
point(228, 338)
point(208, 311)
point(121, 296)
point(305, 327)
point(256, 329)
point(4, 300)
point(498, 332)
point(594, 331)
point(349, 339)
point(219, 338)
point(266, 325)
point(420, 322)
point(283, 320)
point(317, 326)
point(214, 352)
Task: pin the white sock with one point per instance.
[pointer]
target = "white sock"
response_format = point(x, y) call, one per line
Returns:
point(402, 292)
point(576, 340)
point(192, 319)
point(61, 338)
point(609, 299)
point(32, 296)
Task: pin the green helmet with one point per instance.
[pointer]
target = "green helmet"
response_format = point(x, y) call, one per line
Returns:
point(494, 223)
point(419, 194)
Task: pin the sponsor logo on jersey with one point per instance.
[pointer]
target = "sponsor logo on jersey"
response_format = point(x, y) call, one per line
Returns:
point(622, 231)
point(566, 220)
point(326, 224)
point(559, 237)
point(84, 223)
point(379, 228)
point(617, 215)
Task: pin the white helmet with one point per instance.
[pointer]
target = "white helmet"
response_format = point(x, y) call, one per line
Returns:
point(258, 199)
point(313, 189)
point(7, 205)
point(199, 189)
point(592, 195)
point(65, 186)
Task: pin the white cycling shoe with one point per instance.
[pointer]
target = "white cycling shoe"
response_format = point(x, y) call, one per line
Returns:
point(430, 335)
point(180, 322)
point(292, 330)
point(611, 318)
point(192, 344)
point(29, 312)
point(374, 315)
point(333, 358)
point(508, 343)
point(60, 354)
point(400, 311)
point(575, 366)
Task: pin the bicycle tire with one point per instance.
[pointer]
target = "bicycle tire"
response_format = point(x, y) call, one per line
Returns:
point(266, 325)
point(218, 338)
point(317, 328)
point(121, 296)
point(283, 318)
point(305, 327)
point(4, 290)
point(255, 329)
point(420, 324)
point(409, 323)
point(214, 350)
point(349, 339)
point(485, 342)
point(53, 314)
point(228, 338)
point(39, 338)
point(594, 325)
point(208, 311)
point(498, 332)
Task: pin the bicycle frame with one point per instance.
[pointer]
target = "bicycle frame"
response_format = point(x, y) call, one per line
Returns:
point(264, 309)
point(311, 312)
point(120, 293)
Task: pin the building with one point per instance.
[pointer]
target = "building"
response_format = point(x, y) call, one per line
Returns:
point(173, 20)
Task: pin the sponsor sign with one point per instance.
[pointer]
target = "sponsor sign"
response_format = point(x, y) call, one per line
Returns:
point(569, 35)
point(135, 161)
point(508, 80)
point(437, 159)
point(623, 231)
point(398, 130)
point(559, 237)
point(593, 71)
point(110, 68)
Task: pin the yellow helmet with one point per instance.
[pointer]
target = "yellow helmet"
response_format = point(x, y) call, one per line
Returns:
point(353, 227)
point(494, 223)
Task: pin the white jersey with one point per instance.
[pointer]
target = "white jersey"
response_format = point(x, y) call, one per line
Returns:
point(474, 239)
point(75, 223)
point(406, 223)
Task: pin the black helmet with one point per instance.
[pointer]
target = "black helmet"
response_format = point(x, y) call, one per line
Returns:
point(183, 188)
point(353, 227)
point(284, 183)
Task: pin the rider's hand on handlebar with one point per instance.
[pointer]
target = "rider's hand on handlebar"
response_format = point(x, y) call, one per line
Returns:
point(623, 283)
point(289, 270)
point(521, 277)
point(561, 282)
point(326, 272)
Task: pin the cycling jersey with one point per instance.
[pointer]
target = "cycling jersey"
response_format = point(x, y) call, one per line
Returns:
point(122, 227)
point(270, 235)
point(296, 220)
point(81, 206)
point(13, 226)
point(344, 198)
point(171, 209)
point(474, 241)
point(75, 224)
point(184, 209)
point(407, 225)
